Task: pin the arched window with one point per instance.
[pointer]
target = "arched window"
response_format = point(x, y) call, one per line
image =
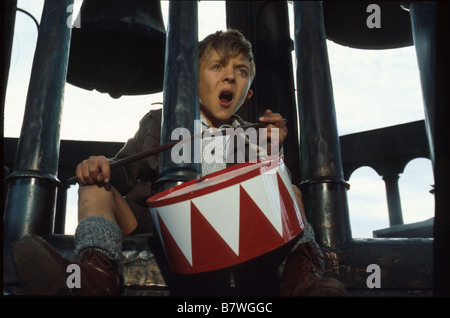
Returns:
point(367, 202)
point(415, 184)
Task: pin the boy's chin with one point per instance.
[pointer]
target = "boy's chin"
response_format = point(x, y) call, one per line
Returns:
point(219, 121)
point(221, 116)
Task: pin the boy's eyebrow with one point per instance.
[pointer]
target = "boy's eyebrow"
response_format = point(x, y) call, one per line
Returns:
point(216, 61)
point(224, 61)
point(242, 65)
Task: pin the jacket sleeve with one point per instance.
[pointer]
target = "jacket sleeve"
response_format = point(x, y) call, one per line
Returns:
point(134, 180)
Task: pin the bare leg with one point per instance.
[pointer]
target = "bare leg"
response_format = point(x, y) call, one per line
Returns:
point(107, 202)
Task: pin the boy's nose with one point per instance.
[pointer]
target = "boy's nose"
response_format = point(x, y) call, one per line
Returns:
point(229, 76)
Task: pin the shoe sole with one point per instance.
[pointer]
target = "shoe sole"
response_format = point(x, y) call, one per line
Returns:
point(37, 271)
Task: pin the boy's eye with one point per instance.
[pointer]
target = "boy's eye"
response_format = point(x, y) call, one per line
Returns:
point(243, 72)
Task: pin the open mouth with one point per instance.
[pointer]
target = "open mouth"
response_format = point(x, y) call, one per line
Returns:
point(226, 97)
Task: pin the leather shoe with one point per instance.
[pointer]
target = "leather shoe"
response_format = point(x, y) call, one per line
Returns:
point(41, 270)
point(301, 276)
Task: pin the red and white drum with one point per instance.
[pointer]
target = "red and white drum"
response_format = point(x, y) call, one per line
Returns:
point(227, 217)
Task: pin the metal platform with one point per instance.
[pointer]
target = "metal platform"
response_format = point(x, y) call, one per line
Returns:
point(406, 266)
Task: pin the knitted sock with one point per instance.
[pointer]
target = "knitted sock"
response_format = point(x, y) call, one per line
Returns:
point(101, 234)
point(308, 234)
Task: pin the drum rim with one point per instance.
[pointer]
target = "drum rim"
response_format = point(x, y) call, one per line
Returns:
point(158, 199)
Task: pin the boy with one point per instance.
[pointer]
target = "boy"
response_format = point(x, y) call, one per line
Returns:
point(112, 203)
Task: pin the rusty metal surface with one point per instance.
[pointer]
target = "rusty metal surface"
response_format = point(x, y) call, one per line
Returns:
point(405, 265)
point(141, 269)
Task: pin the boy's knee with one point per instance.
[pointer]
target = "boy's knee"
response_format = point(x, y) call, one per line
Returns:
point(94, 188)
point(95, 192)
point(298, 196)
point(297, 191)
point(96, 200)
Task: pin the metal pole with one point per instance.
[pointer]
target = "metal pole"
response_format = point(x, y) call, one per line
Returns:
point(321, 174)
point(180, 108)
point(423, 23)
point(430, 28)
point(8, 24)
point(268, 31)
point(32, 185)
point(9, 7)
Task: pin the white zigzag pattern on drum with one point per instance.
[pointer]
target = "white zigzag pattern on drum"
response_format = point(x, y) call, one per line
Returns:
point(224, 217)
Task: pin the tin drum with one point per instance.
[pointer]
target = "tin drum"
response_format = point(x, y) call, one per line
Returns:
point(227, 217)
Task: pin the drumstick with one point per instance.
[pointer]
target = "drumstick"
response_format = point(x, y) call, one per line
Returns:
point(158, 149)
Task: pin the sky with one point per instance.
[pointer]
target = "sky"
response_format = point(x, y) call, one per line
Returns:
point(372, 89)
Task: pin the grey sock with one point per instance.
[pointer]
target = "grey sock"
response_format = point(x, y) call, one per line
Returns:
point(101, 234)
point(307, 236)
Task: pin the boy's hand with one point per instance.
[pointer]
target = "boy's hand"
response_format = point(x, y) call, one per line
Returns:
point(274, 120)
point(94, 170)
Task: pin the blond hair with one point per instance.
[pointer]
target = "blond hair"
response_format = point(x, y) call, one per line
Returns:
point(227, 44)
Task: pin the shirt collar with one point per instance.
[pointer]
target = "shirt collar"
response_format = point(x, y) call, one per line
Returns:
point(205, 124)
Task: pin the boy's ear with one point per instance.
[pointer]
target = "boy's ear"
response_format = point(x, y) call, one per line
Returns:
point(249, 94)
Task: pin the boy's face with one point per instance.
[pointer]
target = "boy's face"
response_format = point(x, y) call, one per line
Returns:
point(223, 88)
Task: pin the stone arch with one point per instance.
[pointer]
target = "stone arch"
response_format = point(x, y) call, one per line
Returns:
point(367, 202)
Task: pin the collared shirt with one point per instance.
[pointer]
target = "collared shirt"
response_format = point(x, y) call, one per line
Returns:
point(215, 146)
point(219, 150)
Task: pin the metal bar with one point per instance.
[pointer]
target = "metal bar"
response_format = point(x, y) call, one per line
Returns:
point(268, 31)
point(423, 17)
point(441, 255)
point(180, 98)
point(60, 210)
point(32, 185)
point(321, 174)
point(428, 19)
point(8, 24)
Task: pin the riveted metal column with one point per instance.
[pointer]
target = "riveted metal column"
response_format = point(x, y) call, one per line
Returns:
point(30, 202)
point(180, 108)
point(321, 174)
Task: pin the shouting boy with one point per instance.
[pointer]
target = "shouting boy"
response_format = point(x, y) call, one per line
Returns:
point(112, 203)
